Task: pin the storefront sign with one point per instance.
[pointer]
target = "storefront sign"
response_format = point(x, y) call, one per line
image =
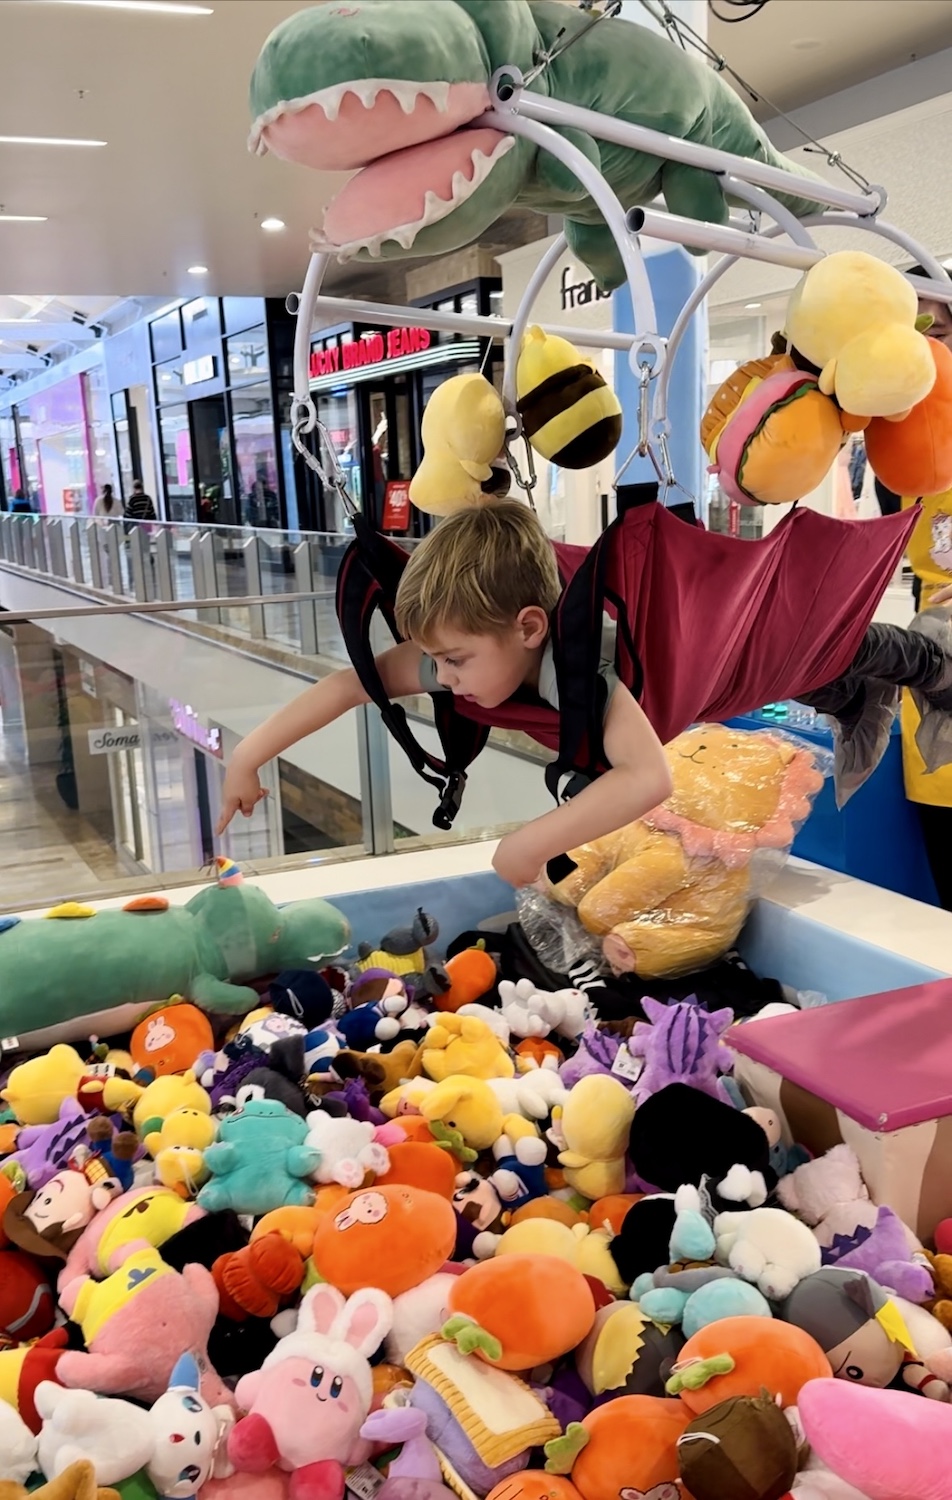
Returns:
point(396, 506)
point(578, 293)
point(369, 349)
point(194, 371)
point(188, 726)
point(114, 741)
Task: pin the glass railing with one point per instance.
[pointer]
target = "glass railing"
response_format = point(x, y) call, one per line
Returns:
point(118, 717)
point(159, 561)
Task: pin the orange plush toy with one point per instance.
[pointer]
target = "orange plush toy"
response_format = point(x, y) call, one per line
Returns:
point(519, 1311)
point(169, 1040)
point(626, 1447)
point(468, 976)
point(914, 456)
point(421, 1165)
point(391, 1238)
point(743, 1357)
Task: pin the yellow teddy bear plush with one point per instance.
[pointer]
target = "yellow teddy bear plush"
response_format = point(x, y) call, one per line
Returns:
point(669, 894)
point(469, 1106)
point(464, 1045)
point(854, 318)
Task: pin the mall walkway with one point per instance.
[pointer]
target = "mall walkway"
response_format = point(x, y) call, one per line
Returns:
point(47, 853)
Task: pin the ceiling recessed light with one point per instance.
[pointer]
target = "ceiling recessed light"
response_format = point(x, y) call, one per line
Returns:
point(161, 7)
point(272, 225)
point(198, 270)
point(750, 306)
point(46, 140)
point(23, 218)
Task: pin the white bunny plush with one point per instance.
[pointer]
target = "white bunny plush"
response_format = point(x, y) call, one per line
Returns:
point(349, 1149)
point(767, 1247)
point(533, 1094)
point(532, 1012)
point(17, 1444)
point(308, 1402)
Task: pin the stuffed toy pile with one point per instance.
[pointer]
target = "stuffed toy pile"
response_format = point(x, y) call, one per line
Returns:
point(416, 1226)
point(853, 356)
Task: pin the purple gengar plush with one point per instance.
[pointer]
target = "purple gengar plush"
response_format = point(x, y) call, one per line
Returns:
point(883, 1253)
point(44, 1150)
point(596, 1053)
point(682, 1045)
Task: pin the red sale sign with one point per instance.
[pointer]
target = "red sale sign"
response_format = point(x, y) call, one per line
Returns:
point(396, 506)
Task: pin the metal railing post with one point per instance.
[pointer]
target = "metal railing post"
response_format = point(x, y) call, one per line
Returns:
point(251, 548)
point(140, 558)
point(76, 553)
point(6, 540)
point(307, 608)
point(29, 545)
point(164, 576)
point(40, 555)
point(375, 795)
point(116, 582)
point(56, 548)
point(19, 553)
point(209, 573)
point(95, 556)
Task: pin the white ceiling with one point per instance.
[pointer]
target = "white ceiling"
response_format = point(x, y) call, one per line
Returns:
point(176, 186)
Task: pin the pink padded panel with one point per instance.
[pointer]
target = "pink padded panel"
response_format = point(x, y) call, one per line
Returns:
point(884, 1060)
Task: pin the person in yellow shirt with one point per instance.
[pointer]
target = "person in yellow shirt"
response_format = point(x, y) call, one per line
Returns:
point(930, 557)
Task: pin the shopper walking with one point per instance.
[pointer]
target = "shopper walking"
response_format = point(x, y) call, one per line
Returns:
point(21, 505)
point(140, 506)
point(107, 506)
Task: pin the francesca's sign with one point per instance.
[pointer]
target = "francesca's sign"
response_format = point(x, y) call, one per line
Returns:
point(188, 726)
point(578, 293)
point(369, 349)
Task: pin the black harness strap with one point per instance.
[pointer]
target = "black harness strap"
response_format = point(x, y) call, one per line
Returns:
point(367, 582)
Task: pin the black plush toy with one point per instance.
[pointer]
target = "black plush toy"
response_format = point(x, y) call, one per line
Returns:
point(302, 994)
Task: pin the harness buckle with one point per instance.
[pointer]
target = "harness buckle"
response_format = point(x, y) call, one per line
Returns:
point(452, 797)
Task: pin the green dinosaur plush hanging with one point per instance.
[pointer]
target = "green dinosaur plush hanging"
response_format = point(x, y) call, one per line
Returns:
point(392, 88)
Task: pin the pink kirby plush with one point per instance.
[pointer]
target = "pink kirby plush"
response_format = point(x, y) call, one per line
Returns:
point(888, 1444)
point(308, 1402)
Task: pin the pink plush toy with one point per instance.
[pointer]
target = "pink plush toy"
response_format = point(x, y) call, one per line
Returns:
point(885, 1443)
point(137, 1324)
point(308, 1402)
point(143, 1216)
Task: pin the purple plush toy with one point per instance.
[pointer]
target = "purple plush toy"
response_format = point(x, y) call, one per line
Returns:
point(597, 1051)
point(44, 1150)
point(682, 1045)
point(883, 1253)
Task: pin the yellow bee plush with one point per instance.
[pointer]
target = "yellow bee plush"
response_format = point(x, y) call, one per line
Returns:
point(569, 414)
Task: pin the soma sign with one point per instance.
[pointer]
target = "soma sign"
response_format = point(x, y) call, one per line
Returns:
point(369, 349)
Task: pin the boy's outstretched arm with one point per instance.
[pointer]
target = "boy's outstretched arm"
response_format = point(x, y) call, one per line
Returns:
point(320, 704)
point(639, 780)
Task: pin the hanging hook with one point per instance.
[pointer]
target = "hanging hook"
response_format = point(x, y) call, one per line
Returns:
point(527, 483)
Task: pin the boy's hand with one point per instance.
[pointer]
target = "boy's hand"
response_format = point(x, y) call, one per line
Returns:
point(942, 596)
point(241, 792)
point(517, 861)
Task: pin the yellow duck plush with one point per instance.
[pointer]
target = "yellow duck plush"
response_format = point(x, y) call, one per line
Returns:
point(178, 1150)
point(583, 1247)
point(592, 1129)
point(854, 319)
point(467, 1046)
point(463, 431)
point(669, 894)
point(171, 1092)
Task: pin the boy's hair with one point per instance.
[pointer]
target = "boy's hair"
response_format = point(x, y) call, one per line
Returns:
point(476, 571)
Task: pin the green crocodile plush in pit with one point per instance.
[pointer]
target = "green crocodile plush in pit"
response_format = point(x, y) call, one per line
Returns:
point(393, 88)
point(65, 979)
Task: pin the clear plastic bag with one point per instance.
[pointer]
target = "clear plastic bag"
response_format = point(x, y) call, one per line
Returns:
point(668, 895)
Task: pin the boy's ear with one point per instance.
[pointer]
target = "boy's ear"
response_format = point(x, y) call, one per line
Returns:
point(533, 623)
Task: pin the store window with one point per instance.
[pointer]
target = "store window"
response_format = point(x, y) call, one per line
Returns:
point(170, 381)
point(124, 444)
point(247, 356)
point(129, 798)
point(241, 312)
point(9, 457)
point(337, 409)
point(99, 428)
point(166, 337)
point(177, 465)
point(256, 455)
point(201, 321)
